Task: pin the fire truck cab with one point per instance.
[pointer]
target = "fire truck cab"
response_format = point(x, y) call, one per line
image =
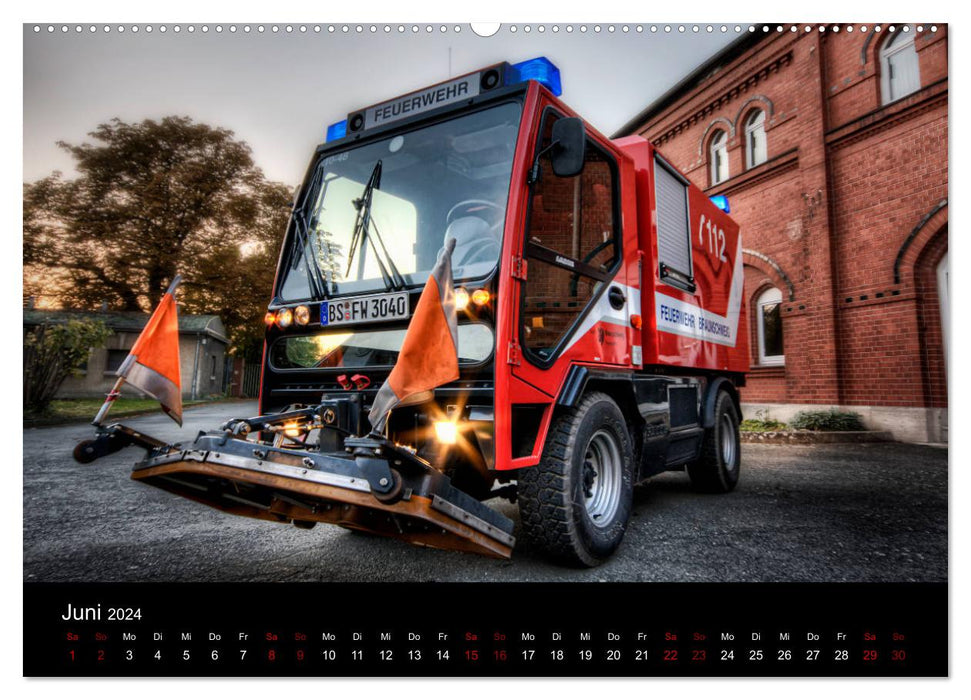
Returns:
point(601, 334)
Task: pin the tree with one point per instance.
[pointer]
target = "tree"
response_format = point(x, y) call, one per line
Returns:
point(51, 353)
point(153, 199)
point(236, 281)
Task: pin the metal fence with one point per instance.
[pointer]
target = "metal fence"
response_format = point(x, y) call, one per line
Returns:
point(251, 381)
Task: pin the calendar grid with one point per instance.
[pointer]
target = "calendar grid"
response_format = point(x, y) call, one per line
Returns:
point(323, 630)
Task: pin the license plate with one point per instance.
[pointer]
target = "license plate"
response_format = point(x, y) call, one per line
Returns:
point(377, 307)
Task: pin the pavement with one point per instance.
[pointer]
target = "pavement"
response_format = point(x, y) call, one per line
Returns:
point(804, 513)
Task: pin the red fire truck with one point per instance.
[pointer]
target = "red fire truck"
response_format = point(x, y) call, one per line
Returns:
point(601, 335)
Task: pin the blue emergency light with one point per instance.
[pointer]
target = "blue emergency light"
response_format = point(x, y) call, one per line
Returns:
point(540, 69)
point(337, 131)
point(721, 201)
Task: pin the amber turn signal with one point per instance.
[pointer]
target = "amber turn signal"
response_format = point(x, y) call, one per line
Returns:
point(270, 318)
point(480, 297)
point(636, 321)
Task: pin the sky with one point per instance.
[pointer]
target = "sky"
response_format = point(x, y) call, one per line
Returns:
point(279, 91)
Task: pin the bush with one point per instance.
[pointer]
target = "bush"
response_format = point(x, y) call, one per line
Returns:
point(51, 353)
point(827, 420)
point(759, 425)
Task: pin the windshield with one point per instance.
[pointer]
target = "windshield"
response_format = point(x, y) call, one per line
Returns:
point(447, 180)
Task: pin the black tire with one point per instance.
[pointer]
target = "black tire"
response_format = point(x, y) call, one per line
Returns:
point(566, 512)
point(716, 471)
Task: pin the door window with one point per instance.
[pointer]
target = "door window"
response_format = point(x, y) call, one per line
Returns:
point(571, 246)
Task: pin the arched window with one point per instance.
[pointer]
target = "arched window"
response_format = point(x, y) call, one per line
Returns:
point(944, 299)
point(899, 70)
point(756, 150)
point(768, 312)
point(718, 157)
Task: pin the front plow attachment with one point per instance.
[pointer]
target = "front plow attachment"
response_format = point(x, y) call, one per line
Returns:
point(375, 487)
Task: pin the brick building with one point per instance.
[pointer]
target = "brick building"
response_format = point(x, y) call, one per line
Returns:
point(831, 145)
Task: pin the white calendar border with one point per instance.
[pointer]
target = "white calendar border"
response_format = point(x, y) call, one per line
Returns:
point(602, 11)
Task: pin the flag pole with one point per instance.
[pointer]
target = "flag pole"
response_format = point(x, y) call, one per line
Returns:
point(116, 389)
point(176, 281)
point(109, 399)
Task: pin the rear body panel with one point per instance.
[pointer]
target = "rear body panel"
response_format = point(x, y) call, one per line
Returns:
point(704, 329)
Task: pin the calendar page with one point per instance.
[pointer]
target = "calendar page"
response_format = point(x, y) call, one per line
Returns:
point(534, 349)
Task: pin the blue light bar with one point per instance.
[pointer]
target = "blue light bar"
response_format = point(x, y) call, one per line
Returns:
point(721, 201)
point(539, 69)
point(337, 131)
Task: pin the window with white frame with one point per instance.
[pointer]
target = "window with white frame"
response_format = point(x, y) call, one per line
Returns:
point(718, 156)
point(756, 150)
point(899, 69)
point(768, 312)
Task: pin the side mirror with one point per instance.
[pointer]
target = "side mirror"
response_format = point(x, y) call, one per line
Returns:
point(570, 138)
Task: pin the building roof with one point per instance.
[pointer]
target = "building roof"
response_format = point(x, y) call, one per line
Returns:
point(690, 81)
point(128, 321)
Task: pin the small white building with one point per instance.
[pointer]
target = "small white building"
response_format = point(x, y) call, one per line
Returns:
point(202, 349)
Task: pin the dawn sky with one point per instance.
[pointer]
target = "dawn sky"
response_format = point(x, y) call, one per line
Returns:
point(279, 92)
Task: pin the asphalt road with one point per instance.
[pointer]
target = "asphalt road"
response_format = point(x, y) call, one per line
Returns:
point(800, 513)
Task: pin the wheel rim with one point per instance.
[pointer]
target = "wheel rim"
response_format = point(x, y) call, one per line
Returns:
point(603, 472)
point(728, 442)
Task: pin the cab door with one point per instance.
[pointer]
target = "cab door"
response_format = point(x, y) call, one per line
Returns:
point(575, 301)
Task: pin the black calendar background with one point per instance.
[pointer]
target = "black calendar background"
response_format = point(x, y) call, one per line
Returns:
point(439, 629)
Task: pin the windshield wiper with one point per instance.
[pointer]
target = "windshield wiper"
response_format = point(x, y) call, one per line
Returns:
point(361, 235)
point(315, 278)
point(397, 280)
point(318, 285)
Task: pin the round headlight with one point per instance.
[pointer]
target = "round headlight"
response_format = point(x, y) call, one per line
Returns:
point(461, 298)
point(301, 315)
point(480, 297)
point(284, 317)
point(446, 431)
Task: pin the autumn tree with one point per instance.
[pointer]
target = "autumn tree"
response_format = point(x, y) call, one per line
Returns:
point(152, 199)
point(235, 281)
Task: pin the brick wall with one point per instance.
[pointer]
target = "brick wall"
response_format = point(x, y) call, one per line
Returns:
point(848, 216)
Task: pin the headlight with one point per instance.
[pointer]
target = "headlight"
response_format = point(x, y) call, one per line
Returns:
point(301, 315)
point(480, 297)
point(461, 298)
point(446, 431)
point(284, 317)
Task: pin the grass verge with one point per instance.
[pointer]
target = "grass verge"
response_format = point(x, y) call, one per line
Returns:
point(84, 410)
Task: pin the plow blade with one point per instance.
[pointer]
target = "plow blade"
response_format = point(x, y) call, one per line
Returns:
point(376, 488)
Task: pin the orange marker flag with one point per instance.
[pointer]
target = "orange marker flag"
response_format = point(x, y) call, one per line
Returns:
point(429, 352)
point(152, 364)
